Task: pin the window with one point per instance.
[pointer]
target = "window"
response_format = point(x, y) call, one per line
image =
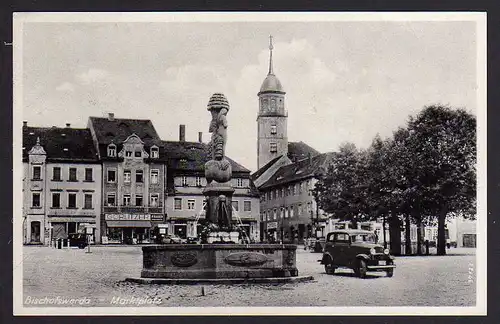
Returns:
point(178, 203)
point(111, 150)
point(56, 200)
point(126, 200)
point(291, 212)
point(239, 182)
point(88, 174)
point(273, 147)
point(235, 205)
point(138, 176)
point(286, 212)
point(299, 211)
point(153, 200)
point(127, 176)
point(293, 190)
point(111, 175)
point(37, 173)
point(111, 199)
point(301, 187)
point(279, 193)
point(72, 174)
point(247, 206)
point(198, 181)
point(128, 153)
point(138, 200)
point(56, 174)
point(138, 154)
point(35, 199)
point(273, 129)
point(191, 203)
point(184, 181)
point(274, 194)
point(154, 176)
point(154, 152)
point(88, 201)
point(72, 200)
point(274, 214)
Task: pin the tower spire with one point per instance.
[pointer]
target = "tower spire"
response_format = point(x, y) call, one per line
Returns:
point(270, 55)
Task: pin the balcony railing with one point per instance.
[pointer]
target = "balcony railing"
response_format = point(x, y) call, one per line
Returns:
point(133, 209)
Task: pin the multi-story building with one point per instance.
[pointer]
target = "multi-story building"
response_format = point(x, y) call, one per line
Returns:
point(61, 183)
point(185, 201)
point(287, 170)
point(133, 178)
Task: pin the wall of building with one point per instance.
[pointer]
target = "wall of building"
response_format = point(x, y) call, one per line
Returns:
point(265, 138)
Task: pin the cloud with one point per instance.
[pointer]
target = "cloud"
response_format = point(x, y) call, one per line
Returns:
point(92, 76)
point(66, 87)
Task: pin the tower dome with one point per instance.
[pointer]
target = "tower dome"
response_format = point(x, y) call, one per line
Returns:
point(271, 82)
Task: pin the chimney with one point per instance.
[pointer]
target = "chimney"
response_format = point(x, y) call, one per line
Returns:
point(111, 116)
point(68, 125)
point(182, 133)
point(25, 123)
point(200, 137)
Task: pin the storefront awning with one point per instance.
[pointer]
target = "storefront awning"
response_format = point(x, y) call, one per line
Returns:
point(128, 223)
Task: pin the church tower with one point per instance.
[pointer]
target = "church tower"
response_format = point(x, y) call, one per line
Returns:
point(272, 138)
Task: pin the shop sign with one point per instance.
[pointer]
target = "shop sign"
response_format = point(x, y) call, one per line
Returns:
point(128, 217)
point(156, 217)
point(272, 225)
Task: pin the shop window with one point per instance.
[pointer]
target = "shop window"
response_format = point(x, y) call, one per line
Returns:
point(153, 200)
point(154, 152)
point(178, 203)
point(126, 200)
point(198, 181)
point(138, 176)
point(71, 200)
point(35, 200)
point(127, 176)
point(111, 199)
point(72, 174)
point(112, 150)
point(56, 200)
point(184, 181)
point(154, 176)
point(37, 173)
point(235, 205)
point(247, 205)
point(190, 204)
point(111, 175)
point(89, 174)
point(273, 147)
point(138, 200)
point(56, 174)
point(88, 201)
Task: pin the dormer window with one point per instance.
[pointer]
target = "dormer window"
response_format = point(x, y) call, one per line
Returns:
point(112, 150)
point(154, 152)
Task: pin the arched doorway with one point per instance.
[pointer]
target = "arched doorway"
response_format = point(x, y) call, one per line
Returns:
point(35, 232)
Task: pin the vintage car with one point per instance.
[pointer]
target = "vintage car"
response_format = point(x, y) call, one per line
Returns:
point(358, 250)
point(172, 239)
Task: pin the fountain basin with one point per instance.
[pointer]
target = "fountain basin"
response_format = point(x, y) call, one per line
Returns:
point(219, 261)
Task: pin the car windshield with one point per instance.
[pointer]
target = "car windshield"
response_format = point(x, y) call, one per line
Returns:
point(367, 238)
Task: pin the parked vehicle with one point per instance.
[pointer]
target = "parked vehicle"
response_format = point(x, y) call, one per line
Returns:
point(78, 239)
point(357, 250)
point(172, 239)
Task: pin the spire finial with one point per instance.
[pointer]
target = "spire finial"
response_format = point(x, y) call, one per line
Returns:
point(271, 55)
point(38, 140)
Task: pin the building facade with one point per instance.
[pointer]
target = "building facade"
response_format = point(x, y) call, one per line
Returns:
point(133, 173)
point(61, 184)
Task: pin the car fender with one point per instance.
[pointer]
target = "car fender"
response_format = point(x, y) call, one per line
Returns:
point(362, 256)
point(325, 256)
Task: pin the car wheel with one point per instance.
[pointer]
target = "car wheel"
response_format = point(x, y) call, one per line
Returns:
point(329, 268)
point(390, 273)
point(361, 269)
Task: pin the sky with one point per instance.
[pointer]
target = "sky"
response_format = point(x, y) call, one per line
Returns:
point(345, 81)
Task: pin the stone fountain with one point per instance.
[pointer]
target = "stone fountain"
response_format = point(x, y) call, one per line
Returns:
point(221, 259)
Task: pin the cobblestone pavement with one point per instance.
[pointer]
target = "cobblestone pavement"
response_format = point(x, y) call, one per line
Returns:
point(98, 276)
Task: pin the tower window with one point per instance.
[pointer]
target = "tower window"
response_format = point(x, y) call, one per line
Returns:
point(273, 129)
point(273, 147)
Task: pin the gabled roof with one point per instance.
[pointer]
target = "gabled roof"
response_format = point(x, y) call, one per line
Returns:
point(192, 156)
point(266, 167)
point(61, 144)
point(302, 169)
point(300, 150)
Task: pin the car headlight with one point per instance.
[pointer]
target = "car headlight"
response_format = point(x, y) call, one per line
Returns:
point(372, 251)
point(386, 251)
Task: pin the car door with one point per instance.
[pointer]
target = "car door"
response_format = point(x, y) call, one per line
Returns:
point(341, 249)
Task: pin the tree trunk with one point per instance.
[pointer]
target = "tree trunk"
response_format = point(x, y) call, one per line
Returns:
point(383, 232)
point(441, 242)
point(395, 234)
point(407, 235)
point(419, 234)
